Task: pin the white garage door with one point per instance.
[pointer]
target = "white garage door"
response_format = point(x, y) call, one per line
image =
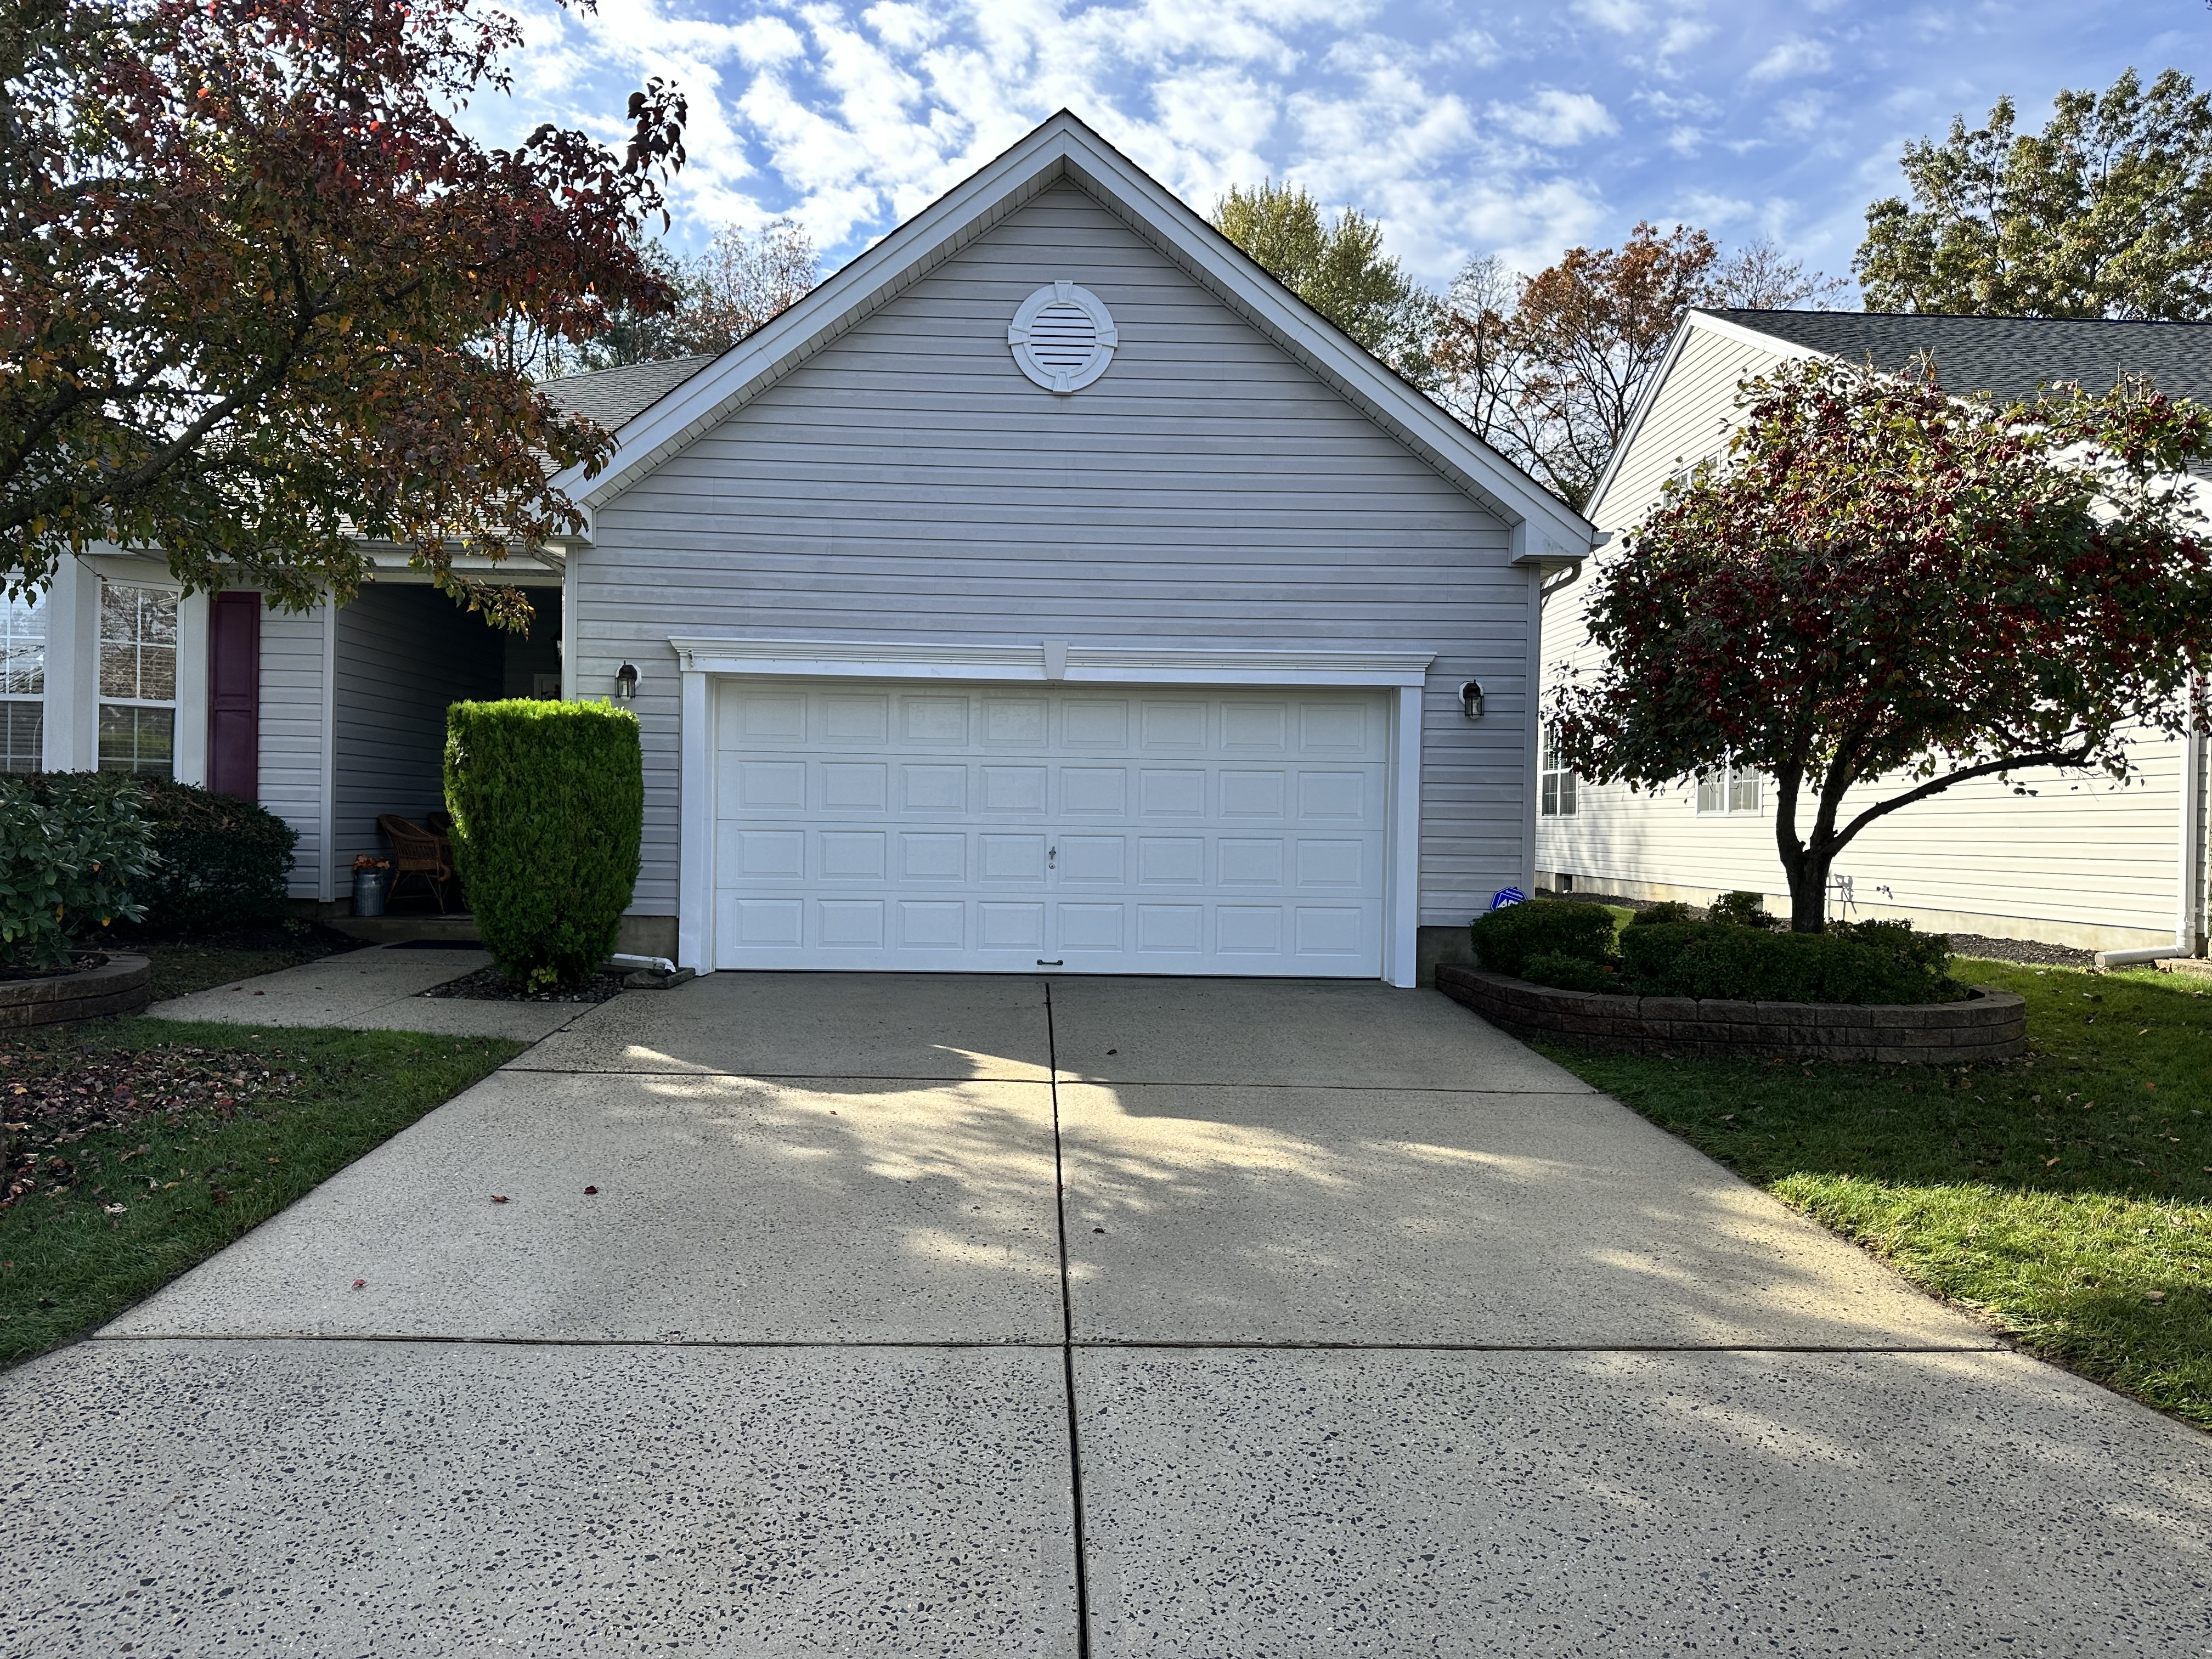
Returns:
point(1001, 829)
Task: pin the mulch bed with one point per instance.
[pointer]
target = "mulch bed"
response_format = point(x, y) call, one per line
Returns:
point(489, 985)
point(2033, 952)
point(53, 1098)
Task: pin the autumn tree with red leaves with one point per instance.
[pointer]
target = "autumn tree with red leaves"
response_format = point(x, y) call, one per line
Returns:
point(251, 268)
point(1880, 583)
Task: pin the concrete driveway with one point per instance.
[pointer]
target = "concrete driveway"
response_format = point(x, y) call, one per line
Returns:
point(999, 1317)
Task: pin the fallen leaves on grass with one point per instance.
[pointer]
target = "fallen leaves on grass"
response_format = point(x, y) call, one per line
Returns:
point(53, 1098)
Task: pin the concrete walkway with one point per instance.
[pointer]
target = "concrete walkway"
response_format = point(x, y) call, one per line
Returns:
point(377, 989)
point(998, 1316)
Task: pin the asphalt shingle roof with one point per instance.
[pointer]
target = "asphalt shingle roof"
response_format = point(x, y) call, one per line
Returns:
point(2008, 357)
point(613, 396)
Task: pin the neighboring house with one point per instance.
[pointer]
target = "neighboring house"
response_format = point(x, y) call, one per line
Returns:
point(1047, 589)
point(2083, 862)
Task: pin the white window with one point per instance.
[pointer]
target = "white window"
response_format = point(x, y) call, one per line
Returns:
point(1556, 782)
point(137, 680)
point(22, 683)
point(1730, 788)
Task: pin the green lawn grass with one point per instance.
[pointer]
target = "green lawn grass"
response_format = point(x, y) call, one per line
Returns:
point(178, 970)
point(2066, 1198)
point(67, 1263)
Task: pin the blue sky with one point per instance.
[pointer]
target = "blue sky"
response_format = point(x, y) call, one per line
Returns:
point(1466, 128)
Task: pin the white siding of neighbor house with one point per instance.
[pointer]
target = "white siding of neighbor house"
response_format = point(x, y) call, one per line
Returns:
point(2082, 862)
point(404, 653)
point(295, 713)
point(909, 483)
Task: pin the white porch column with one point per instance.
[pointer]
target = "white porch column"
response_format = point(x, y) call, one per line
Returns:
point(72, 737)
point(192, 736)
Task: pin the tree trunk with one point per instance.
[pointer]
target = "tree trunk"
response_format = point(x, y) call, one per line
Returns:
point(1808, 894)
point(1807, 868)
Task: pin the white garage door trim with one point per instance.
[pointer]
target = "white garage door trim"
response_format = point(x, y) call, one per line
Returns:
point(702, 661)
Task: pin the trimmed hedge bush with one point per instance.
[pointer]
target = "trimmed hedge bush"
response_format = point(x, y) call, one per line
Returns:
point(548, 801)
point(1660, 915)
point(223, 861)
point(1508, 939)
point(1570, 973)
point(1870, 962)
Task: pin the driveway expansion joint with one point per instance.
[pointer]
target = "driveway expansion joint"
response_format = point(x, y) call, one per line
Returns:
point(1100, 1344)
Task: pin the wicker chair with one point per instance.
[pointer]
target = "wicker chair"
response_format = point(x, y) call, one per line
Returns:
point(417, 852)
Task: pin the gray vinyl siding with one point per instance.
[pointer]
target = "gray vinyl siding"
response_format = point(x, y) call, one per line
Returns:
point(907, 483)
point(2081, 860)
point(294, 705)
point(403, 652)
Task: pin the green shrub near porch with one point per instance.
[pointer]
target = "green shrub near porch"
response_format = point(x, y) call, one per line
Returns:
point(221, 862)
point(548, 801)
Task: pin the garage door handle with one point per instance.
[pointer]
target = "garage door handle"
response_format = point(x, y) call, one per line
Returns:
point(1051, 857)
point(1060, 962)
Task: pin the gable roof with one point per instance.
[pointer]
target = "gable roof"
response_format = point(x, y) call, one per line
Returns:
point(1065, 151)
point(614, 397)
point(2008, 357)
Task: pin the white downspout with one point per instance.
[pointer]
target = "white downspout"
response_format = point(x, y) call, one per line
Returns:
point(2189, 873)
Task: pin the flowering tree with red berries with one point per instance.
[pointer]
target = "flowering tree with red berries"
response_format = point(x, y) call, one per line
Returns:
point(251, 268)
point(1881, 584)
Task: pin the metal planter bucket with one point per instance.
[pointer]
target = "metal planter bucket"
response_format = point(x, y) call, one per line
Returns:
point(369, 887)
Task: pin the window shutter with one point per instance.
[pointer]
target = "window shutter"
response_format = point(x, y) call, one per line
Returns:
point(234, 695)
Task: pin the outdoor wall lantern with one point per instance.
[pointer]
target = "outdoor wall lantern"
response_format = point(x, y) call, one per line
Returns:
point(1470, 699)
point(625, 682)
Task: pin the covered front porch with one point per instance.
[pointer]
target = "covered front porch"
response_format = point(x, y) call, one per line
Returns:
point(391, 661)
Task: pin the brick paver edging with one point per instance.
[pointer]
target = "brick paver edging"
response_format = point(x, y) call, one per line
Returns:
point(1989, 1025)
point(121, 985)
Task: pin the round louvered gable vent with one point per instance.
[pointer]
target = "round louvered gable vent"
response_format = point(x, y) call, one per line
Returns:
point(1062, 337)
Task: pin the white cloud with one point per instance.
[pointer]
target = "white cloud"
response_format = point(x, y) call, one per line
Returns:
point(1556, 119)
point(1791, 57)
point(1463, 129)
point(1803, 114)
point(1621, 16)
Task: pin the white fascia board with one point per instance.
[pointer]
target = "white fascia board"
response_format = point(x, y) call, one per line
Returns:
point(1734, 330)
point(916, 248)
point(1695, 321)
point(1064, 149)
point(1644, 406)
point(1039, 663)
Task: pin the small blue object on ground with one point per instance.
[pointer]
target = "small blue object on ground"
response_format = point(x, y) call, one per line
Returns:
point(1505, 895)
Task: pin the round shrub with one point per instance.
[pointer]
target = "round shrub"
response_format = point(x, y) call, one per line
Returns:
point(222, 862)
point(548, 801)
point(1664, 913)
point(1506, 940)
point(1569, 973)
point(1742, 910)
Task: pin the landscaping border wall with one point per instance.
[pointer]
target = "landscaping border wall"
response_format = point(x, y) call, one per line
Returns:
point(121, 985)
point(1989, 1025)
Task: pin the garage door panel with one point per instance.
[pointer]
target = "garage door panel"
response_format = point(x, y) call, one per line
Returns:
point(943, 828)
point(856, 786)
point(933, 855)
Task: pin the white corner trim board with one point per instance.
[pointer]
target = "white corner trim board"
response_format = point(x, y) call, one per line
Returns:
point(1062, 337)
point(1051, 659)
point(704, 661)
